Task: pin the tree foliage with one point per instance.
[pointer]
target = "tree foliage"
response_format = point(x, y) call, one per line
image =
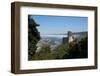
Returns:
point(73, 50)
point(33, 36)
point(44, 54)
point(77, 49)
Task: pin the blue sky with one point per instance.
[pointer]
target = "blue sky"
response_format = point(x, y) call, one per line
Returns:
point(60, 24)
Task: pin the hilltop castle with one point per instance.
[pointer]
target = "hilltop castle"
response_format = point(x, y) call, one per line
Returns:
point(71, 36)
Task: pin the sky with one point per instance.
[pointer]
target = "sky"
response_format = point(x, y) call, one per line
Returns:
point(60, 24)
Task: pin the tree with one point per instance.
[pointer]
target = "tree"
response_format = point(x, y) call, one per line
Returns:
point(77, 49)
point(60, 51)
point(33, 36)
point(44, 54)
point(84, 47)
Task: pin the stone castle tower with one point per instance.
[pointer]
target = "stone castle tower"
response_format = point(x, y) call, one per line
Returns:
point(68, 39)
